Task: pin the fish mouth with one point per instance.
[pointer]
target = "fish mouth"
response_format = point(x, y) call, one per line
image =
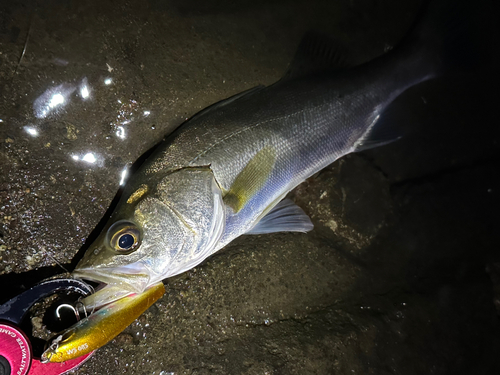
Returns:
point(123, 294)
point(115, 283)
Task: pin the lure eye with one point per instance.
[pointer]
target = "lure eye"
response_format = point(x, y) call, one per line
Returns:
point(124, 237)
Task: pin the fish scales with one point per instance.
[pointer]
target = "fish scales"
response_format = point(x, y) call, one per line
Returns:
point(310, 122)
point(223, 171)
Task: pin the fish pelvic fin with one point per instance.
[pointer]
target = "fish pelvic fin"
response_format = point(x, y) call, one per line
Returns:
point(251, 179)
point(286, 216)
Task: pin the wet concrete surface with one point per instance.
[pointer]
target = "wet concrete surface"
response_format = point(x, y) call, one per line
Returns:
point(392, 279)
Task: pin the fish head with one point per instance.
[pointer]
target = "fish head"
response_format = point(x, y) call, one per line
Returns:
point(131, 252)
point(157, 232)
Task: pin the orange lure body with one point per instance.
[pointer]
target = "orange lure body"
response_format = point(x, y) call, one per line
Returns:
point(102, 326)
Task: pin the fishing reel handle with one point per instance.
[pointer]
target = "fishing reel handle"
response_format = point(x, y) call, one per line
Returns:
point(16, 352)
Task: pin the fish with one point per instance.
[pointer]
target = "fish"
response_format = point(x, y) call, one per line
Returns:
point(226, 171)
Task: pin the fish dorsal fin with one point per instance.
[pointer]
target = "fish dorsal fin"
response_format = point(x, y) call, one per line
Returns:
point(227, 101)
point(286, 216)
point(316, 52)
point(251, 179)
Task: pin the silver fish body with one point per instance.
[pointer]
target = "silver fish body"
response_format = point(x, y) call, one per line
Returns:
point(218, 175)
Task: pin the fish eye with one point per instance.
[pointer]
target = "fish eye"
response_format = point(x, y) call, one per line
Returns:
point(124, 237)
point(126, 241)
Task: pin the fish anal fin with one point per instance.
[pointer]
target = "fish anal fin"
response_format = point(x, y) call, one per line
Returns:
point(251, 179)
point(385, 128)
point(286, 216)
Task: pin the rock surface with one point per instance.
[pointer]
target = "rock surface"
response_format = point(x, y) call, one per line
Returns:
point(393, 279)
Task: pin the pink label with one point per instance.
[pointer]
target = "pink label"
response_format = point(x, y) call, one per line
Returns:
point(15, 347)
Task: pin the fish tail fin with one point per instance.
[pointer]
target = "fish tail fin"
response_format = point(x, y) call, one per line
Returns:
point(442, 40)
point(445, 36)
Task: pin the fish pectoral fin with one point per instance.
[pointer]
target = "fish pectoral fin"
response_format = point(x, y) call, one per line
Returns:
point(251, 179)
point(316, 52)
point(286, 216)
